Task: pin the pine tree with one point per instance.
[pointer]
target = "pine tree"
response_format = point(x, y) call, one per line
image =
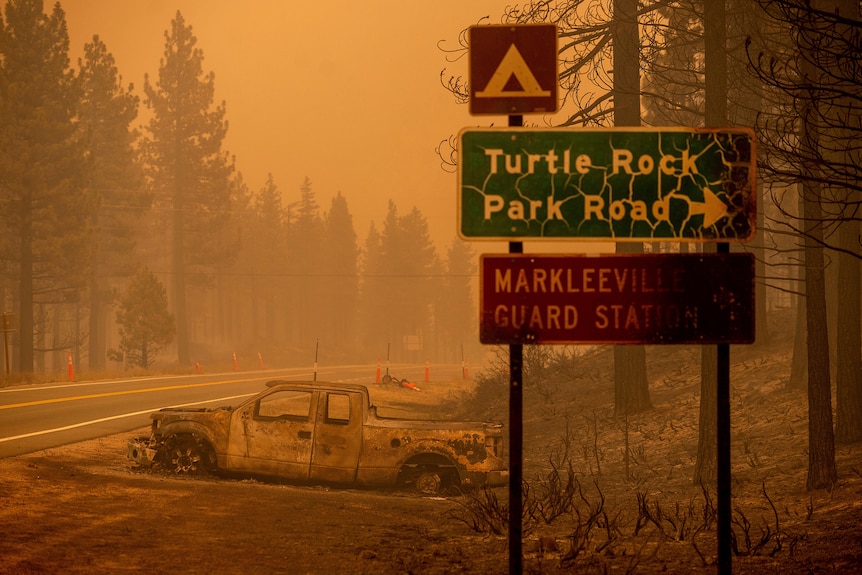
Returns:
point(268, 240)
point(419, 287)
point(236, 277)
point(304, 260)
point(403, 296)
point(187, 170)
point(107, 112)
point(146, 325)
point(341, 273)
point(457, 314)
point(43, 207)
point(374, 312)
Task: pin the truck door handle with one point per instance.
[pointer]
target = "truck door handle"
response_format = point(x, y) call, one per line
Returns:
point(304, 435)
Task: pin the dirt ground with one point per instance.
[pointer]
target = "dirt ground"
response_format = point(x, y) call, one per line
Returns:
point(85, 509)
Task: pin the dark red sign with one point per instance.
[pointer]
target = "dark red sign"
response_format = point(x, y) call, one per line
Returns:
point(648, 299)
point(513, 69)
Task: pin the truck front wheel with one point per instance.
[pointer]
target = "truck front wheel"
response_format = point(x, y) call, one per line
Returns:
point(184, 455)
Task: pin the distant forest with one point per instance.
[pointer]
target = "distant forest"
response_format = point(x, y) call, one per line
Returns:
point(125, 246)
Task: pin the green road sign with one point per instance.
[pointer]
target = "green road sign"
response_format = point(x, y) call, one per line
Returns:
point(609, 184)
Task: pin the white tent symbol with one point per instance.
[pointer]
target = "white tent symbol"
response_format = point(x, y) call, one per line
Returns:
point(512, 64)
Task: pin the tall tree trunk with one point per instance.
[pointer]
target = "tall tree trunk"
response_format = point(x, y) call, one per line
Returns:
point(761, 309)
point(179, 285)
point(848, 414)
point(39, 325)
point(705, 465)
point(25, 295)
point(96, 355)
point(76, 331)
point(799, 361)
point(57, 354)
point(742, 23)
point(715, 108)
point(631, 387)
point(821, 441)
point(145, 361)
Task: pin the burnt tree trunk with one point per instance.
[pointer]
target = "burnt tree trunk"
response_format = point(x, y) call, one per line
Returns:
point(799, 362)
point(145, 360)
point(848, 414)
point(715, 112)
point(631, 387)
point(821, 440)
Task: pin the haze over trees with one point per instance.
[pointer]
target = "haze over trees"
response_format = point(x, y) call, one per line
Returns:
point(89, 193)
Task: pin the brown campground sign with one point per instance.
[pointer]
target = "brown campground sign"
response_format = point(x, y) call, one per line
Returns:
point(513, 69)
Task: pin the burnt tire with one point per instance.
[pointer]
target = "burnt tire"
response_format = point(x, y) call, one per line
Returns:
point(185, 455)
point(428, 483)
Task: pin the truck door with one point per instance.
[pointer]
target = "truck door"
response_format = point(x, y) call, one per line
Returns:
point(338, 437)
point(274, 435)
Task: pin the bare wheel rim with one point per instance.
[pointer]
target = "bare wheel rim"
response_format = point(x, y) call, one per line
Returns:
point(428, 482)
point(185, 457)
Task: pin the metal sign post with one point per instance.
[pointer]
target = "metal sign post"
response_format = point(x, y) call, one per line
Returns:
point(516, 432)
point(7, 328)
point(722, 441)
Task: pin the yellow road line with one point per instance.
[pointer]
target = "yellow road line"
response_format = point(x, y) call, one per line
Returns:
point(126, 392)
point(113, 417)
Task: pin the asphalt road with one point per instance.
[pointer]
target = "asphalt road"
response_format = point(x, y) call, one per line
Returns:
point(35, 417)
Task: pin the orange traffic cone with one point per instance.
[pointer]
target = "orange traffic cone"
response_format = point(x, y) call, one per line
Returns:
point(408, 385)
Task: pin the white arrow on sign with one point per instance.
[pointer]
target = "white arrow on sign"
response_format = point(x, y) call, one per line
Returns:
point(712, 208)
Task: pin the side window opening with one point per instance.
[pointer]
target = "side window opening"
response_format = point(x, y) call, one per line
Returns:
point(338, 408)
point(292, 405)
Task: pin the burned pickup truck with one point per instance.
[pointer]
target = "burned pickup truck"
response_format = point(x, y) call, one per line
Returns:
point(323, 433)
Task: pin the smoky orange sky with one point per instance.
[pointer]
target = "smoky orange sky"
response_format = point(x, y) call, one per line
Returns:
point(346, 93)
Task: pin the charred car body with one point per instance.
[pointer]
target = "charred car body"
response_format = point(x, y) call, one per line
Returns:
point(326, 433)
